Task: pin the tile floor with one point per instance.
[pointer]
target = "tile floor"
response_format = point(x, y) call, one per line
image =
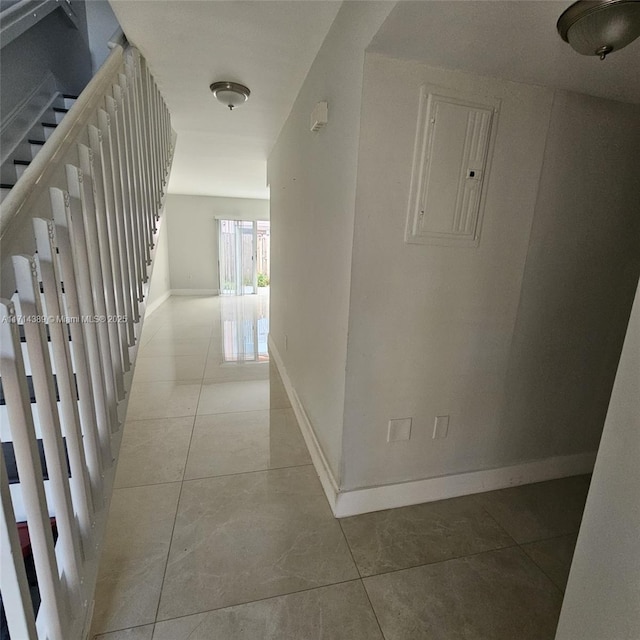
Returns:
point(219, 528)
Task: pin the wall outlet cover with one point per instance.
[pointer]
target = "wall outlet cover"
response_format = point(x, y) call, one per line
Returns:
point(399, 429)
point(440, 427)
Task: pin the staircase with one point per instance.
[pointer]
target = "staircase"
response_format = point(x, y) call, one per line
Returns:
point(33, 141)
point(82, 197)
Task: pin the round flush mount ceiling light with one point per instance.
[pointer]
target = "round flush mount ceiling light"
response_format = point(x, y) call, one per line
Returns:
point(231, 94)
point(598, 27)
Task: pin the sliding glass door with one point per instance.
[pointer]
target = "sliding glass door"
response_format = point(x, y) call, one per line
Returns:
point(243, 256)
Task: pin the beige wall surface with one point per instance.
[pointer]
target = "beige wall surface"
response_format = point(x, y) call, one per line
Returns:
point(192, 235)
point(312, 178)
point(603, 593)
point(160, 281)
point(470, 332)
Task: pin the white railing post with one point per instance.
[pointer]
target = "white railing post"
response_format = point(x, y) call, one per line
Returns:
point(77, 234)
point(53, 606)
point(16, 598)
point(68, 389)
point(93, 412)
point(46, 406)
point(101, 151)
point(85, 234)
point(124, 218)
point(93, 207)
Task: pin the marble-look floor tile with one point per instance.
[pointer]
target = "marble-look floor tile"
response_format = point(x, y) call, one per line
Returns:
point(170, 399)
point(228, 443)
point(181, 346)
point(251, 536)
point(175, 332)
point(420, 534)
point(134, 556)
point(337, 612)
point(554, 557)
point(133, 633)
point(218, 371)
point(153, 451)
point(228, 397)
point(538, 511)
point(497, 595)
point(164, 368)
point(278, 398)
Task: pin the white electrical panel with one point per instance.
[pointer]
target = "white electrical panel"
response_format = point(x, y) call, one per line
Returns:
point(451, 161)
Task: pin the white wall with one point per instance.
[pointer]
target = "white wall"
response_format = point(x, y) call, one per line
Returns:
point(498, 337)
point(602, 599)
point(160, 281)
point(101, 25)
point(430, 326)
point(312, 178)
point(193, 242)
point(579, 281)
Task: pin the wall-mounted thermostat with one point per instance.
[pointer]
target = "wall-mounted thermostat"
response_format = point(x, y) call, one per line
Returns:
point(319, 116)
point(452, 154)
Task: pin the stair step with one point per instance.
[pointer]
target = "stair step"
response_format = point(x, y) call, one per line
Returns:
point(32, 393)
point(20, 166)
point(69, 100)
point(5, 190)
point(23, 338)
point(59, 113)
point(36, 145)
point(48, 128)
point(12, 468)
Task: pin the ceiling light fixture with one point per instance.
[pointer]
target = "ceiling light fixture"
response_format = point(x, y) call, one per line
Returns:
point(598, 27)
point(231, 94)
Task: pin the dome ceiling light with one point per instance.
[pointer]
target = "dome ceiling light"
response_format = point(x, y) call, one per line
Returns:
point(231, 94)
point(598, 27)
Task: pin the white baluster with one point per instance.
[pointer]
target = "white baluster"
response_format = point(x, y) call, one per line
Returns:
point(94, 419)
point(16, 598)
point(46, 404)
point(53, 604)
point(100, 262)
point(59, 335)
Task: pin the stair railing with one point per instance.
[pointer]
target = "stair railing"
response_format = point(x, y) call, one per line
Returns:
point(77, 240)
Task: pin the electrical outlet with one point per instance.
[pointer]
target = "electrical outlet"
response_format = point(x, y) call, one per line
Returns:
point(399, 429)
point(440, 427)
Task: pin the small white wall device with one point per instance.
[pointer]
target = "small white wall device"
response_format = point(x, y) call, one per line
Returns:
point(319, 116)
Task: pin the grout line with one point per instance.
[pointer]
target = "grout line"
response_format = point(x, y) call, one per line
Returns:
point(247, 602)
point(373, 609)
point(244, 473)
point(175, 519)
point(560, 535)
point(346, 540)
point(428, 564)
point(498, 524)
point(375, 615)
point(546, 575)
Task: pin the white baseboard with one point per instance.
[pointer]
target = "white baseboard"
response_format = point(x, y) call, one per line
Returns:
point(350, 503)
point(320, 463)
point(195, 292)
point(356, 501)
point(156, 303)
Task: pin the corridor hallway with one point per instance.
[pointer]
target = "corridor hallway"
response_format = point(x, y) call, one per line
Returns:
point(219, 528)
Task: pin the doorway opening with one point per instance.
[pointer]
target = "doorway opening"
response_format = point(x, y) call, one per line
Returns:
point(244, 262)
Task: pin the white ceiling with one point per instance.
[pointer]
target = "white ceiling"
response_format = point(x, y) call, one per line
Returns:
point(270, 45)
point(515, 40)
point(267, 45)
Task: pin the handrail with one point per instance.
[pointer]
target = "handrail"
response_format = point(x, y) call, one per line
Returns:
point(62, 136)
point(77, 239)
